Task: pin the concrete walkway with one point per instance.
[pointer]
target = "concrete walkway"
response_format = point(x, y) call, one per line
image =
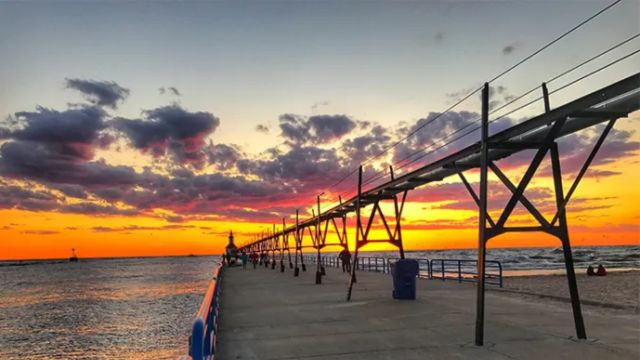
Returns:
point(266, 314)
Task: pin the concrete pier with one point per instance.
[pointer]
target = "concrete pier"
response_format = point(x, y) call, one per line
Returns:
point(266, 314)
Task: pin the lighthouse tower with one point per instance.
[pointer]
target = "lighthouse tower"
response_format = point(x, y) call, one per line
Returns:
point(231, 249)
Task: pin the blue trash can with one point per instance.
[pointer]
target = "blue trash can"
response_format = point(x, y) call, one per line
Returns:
point(404, 273)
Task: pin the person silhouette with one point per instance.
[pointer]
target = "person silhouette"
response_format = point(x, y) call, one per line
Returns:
point(590, 271)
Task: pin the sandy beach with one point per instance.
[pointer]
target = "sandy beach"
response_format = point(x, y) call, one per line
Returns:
point(617, 290)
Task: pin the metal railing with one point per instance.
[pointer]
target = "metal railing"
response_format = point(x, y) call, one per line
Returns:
point(461, 270)
point(466, 270)
point(424, 266)
point(373, 263)
point(202, 342)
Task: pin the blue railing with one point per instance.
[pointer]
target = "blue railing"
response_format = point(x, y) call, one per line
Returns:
point(202, 342)
point(466, 270)
point(461, 270)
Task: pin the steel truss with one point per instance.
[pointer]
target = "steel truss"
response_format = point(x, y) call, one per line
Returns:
point(319, 236)
point(284, 246)
point(394, 231)
point(539, 133)
point(557, 227)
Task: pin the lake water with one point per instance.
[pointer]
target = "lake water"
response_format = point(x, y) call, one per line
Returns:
point(100, 309)
point(143, 308)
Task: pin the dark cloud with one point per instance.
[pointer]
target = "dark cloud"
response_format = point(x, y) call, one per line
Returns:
point(173, 130)
point(360, 148)
point(315, 129)
point(262, 128)
point(72, 133)
point(575, 148)
point(224, 156)
point(170, 89)
point(71, 190)
point(326, 128)
point(429, 134)
point(16, 197)
point(188, 193)
point(101, 93)
point(88, 208)
point(510, 49)
point(40, 232)
point(37, 161)
point(301, 165)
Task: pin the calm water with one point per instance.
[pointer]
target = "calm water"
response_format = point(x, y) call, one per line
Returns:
point(100, 309)
point(143, 308)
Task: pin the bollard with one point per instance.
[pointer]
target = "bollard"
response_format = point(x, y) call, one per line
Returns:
point(318, 277)
point(322, 271)
point(304, 267)
point(296, 271)
point(290, 265)
point(273, 265)
point(281, 266)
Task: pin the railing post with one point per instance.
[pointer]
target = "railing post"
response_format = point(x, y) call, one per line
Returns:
point(459, 271)
point(197, 337)
point(442, 268)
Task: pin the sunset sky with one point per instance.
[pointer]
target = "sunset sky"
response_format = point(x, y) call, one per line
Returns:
point(153, 128)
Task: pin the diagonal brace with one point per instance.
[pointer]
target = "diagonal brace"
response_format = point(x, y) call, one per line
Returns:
point(584, 168)
point(523, 199)
point(473, 193)
point(537, 159)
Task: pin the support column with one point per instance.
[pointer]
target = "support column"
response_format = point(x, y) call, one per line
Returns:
point(563, 234)
point(318, 245)
point(296, 269)
point(274, 246)
point(397, 234)
point(358, 231)
point(482, 223)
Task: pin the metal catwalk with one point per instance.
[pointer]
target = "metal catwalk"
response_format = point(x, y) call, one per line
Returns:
point(540, 133)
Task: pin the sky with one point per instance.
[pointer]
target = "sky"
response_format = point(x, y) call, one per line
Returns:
point(155, 128)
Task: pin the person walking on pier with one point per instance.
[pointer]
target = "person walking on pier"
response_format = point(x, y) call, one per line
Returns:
point(244, 258)
point(345, 258)
point(254, 258)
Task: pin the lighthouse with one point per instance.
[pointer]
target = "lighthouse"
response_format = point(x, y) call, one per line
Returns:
point(231, 249)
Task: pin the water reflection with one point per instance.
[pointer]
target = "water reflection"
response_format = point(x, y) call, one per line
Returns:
point(111, 309)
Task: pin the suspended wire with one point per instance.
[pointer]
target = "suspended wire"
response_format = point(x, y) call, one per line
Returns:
point(567, 72)
point(508, 70)
point(514, 110)
point(571, 83)
point(555, 40)
point(537, 88)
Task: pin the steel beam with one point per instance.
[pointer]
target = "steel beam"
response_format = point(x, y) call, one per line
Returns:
point(482, 222)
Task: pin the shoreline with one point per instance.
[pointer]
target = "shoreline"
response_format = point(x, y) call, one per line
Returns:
point(560, 272)
point(618, 290)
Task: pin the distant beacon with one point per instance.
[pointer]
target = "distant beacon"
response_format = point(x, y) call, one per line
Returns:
point(231, 249)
